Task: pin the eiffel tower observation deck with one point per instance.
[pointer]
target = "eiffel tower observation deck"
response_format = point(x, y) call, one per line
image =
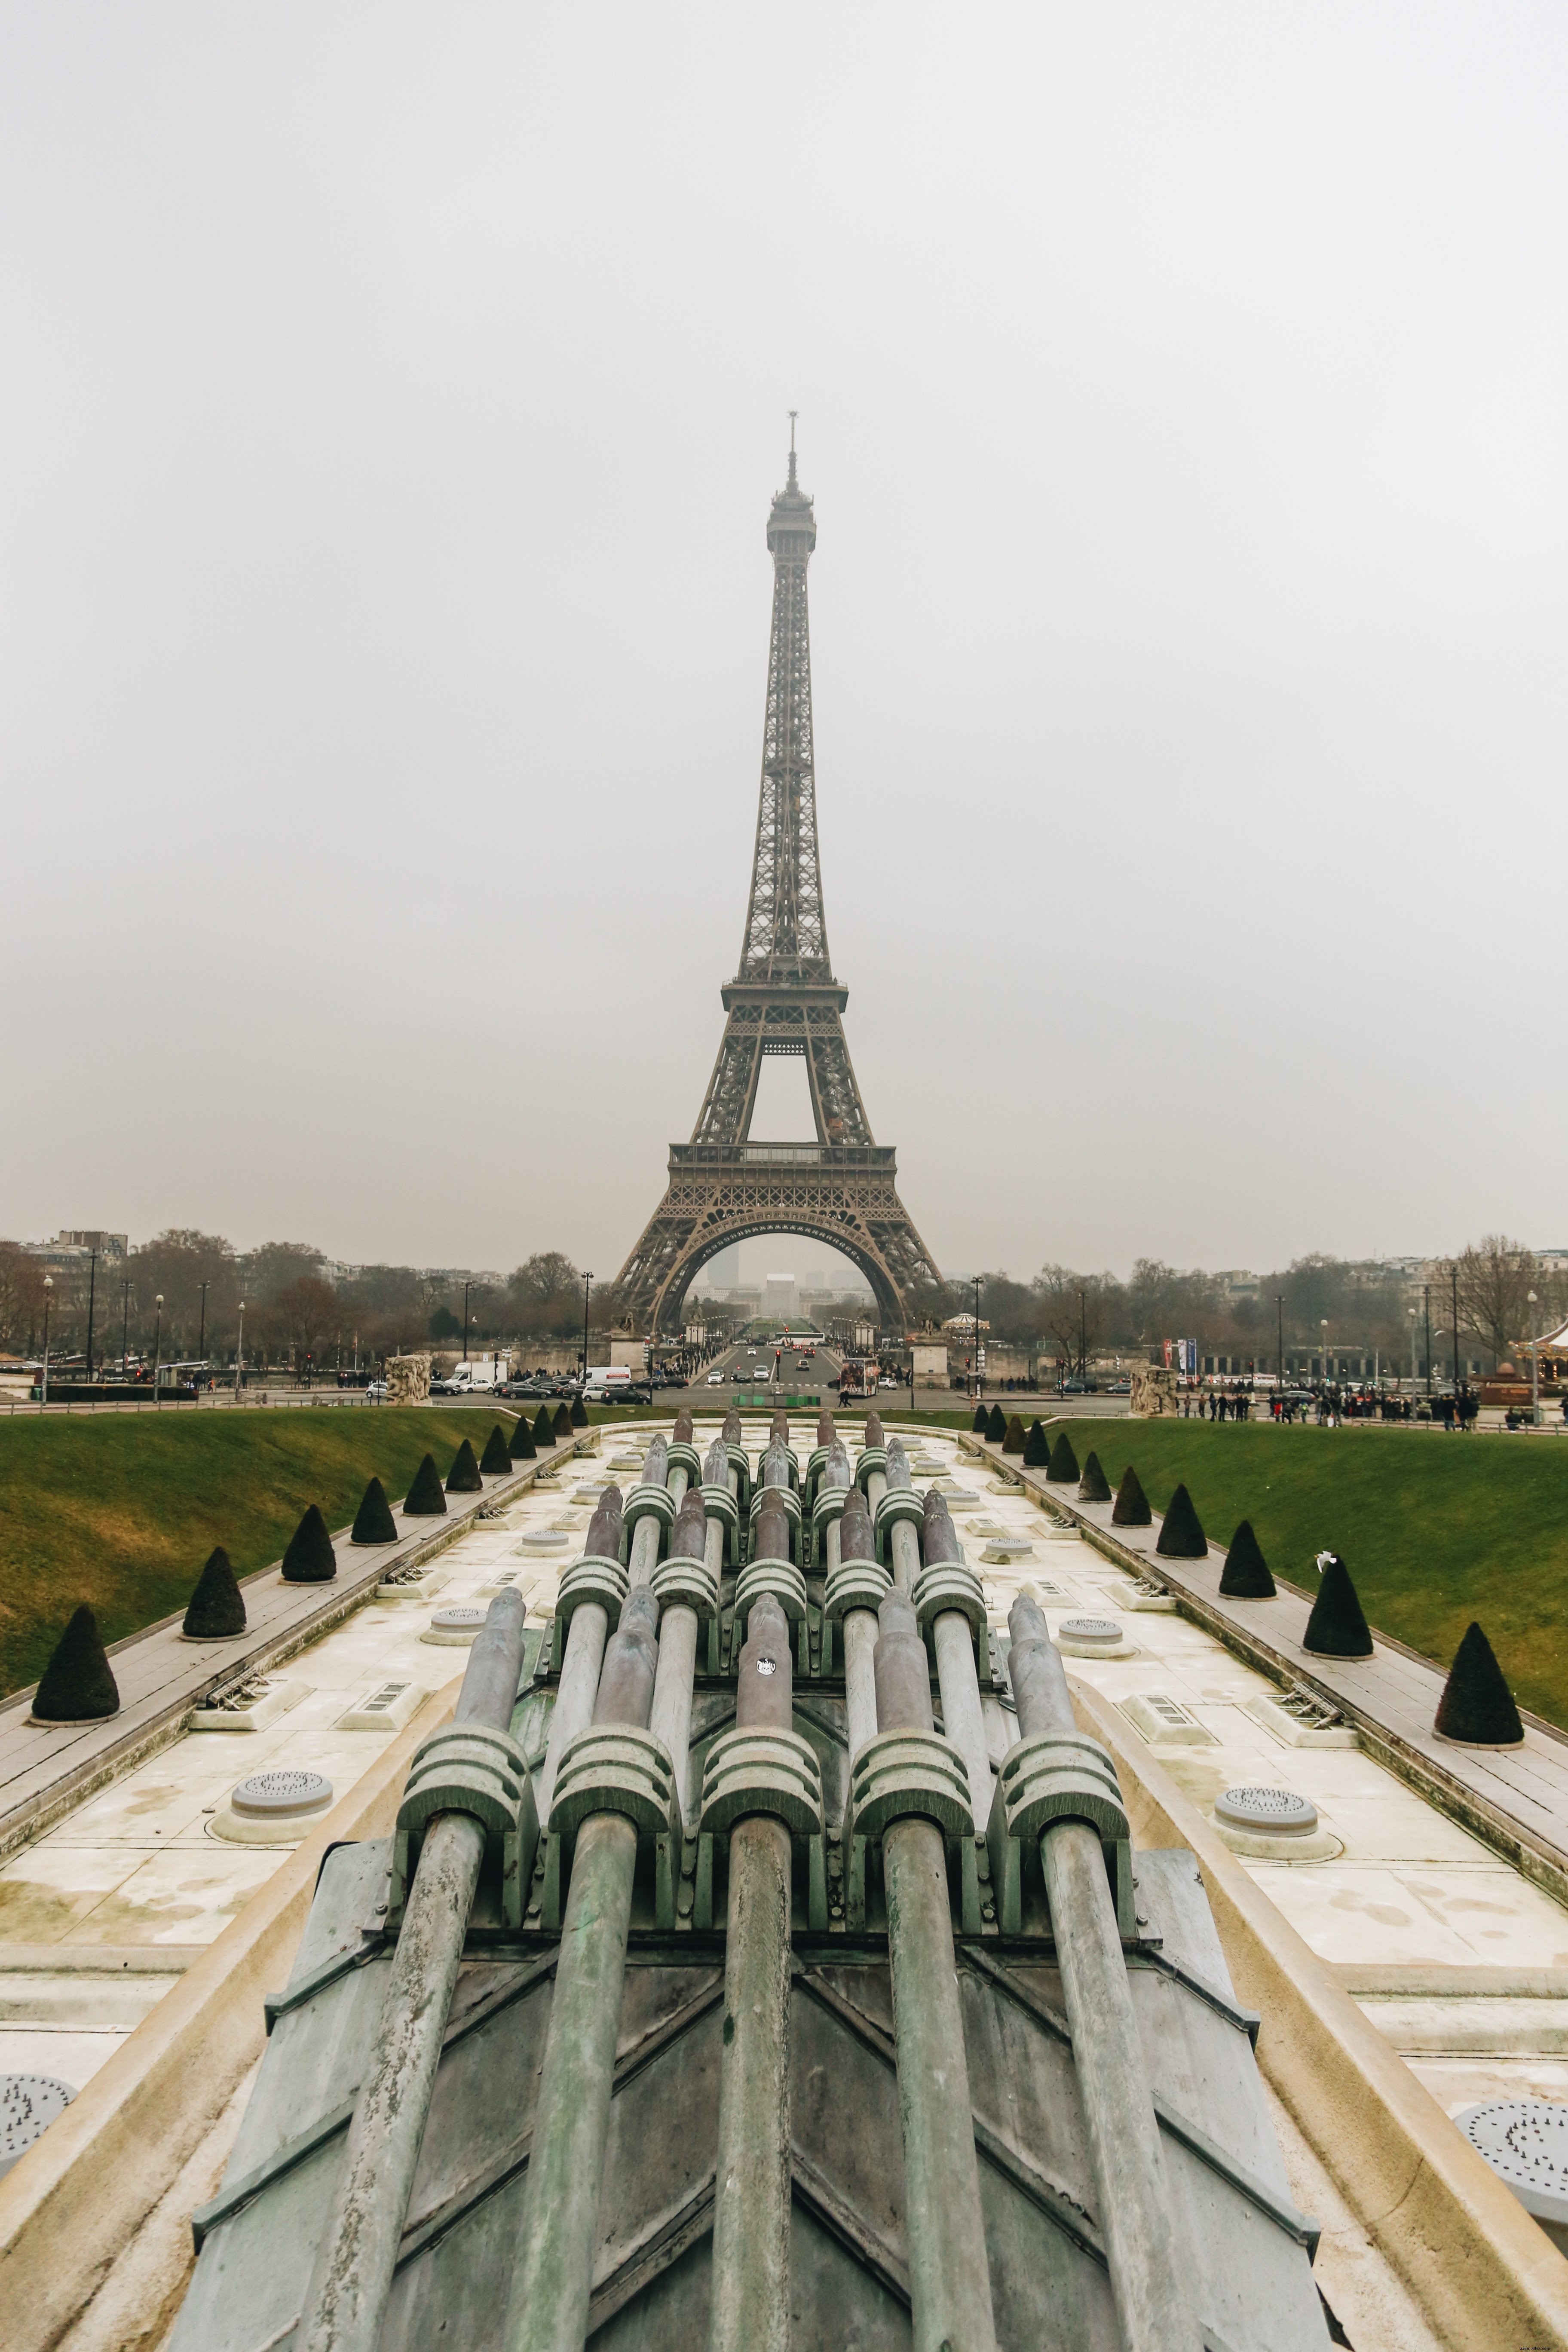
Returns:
point(724, 1185)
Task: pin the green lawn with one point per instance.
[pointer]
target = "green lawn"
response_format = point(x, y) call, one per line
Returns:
point(122, 1510)
point(1434, 1529)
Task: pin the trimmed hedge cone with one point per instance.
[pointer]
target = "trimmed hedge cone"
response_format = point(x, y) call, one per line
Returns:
point(1336, 1628)
point(980, 1421)
point(77, 1685)
point(216, 1606)
point(1036, 1447)
point(1131, 1503)
point(1014, 1441)
point(561, 1425)
point(309, 1558)
point(463, 1478)
point(1477, 1707)
point(425, 1499)
point(1094, 1487)
point(1246, 1575)
point(374, 1522)
point(1182, 1533)
point(1062, 1468)
point(996, 1425)
point(496, 1459)
point(578, 1413)
point(522, 1447)
point(543, 1427)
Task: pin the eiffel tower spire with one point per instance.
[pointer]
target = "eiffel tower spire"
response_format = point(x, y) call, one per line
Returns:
point(783, 999)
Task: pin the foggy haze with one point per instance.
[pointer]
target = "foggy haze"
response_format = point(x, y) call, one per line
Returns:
point(391, 400)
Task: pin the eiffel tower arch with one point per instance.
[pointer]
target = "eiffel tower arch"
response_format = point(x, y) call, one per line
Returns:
point(722, 1186)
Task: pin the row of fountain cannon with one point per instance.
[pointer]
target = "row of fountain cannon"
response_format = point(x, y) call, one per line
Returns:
point(612, 1784)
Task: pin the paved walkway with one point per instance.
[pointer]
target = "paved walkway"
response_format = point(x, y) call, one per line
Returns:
point(45, 1771)
point(1515, 1799)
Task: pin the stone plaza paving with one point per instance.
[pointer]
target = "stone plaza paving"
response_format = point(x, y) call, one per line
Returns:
point(1456, 1955)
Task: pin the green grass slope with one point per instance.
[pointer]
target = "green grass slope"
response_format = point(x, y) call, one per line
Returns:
point(1434, 1529)
point(120, 1509)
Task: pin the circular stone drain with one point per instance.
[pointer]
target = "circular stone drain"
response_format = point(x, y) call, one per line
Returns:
point(543, 1539)
point(273, 1808)
point(1275, 1824)
point(455, 1627)
point(28, 2105)
point(1525, 2141)
point(1090, 1637)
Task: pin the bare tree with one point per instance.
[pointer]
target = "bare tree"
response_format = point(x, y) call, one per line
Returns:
point(21, 1295)
point(1495, 1274)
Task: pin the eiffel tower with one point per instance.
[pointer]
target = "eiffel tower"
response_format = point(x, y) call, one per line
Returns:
point(722, 1188)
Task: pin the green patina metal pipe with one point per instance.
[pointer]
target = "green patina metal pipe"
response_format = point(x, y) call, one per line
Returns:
point(751, 2223)
point(949, 2279)
point(548, 2308)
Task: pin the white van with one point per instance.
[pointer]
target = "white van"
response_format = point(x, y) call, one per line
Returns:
point(607, 1379)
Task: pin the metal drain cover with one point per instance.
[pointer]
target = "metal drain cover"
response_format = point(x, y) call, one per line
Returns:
point(1525, 2141)
point(1091, 1629)
point(459, 1620)
point(277, 1796)
point(1276, 1813)
point(28, 2105)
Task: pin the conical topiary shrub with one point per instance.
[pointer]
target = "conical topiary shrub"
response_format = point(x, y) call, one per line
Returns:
point(463, 1478)
point(1062, 1467)
point(1094, 1487)
point(1014, 1441)
point(996, 1425)
point(578, 1413)
point(522, 1447)
point(1246, 1576)
point(1182, 1533)
point(543, 1427)
point(425, 1499)
point(560, 1426)
point(1336, 1628)
point(217, 1606)
point(1036, 1447)
point(495, 1461)
point(374, 1522)
point(77, 1685)
point(309, 1558)
point(1477, 1707)
point(1131, 1503)
point(979, 1422)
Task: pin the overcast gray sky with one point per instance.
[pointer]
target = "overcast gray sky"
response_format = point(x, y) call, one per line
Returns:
point(390, 402)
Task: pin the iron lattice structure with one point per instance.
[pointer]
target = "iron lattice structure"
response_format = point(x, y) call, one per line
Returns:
point(842, 1189)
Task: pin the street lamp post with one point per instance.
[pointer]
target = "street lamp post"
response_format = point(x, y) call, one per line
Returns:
point(1426, 1293)
point(1323, 1327)
point(202, 1334)
point(1414, 1374)
point(239, 1353)
point(588, 1279)
point(1454, 1276)
point(976, 1348)
point(158, 1347)
point(1534, 1367)
point(1082, 1341)
point(49, 1294)
point(466, 1290)
point(91, 1302)
point(125, 1327)
point(1279, 1352)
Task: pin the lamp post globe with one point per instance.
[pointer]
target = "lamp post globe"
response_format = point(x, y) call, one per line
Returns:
point(1534, 1365)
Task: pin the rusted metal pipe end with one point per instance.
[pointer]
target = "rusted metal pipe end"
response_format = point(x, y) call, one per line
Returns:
point(835, 1470)
point(874, 1430)
point(732, 1429)
point(688, 1537)
point(772, 1538)
point(825, 1432)
point(939, 1537)
point(494, 1665)
point(605, 1526)
point(900, 1668)
point(856, 1541)
point(775, 1465)
point(898, 1465)
point(764, 1690)
point(716, 1464)
point(779, 1434)
point(683, 1426)
point(655, 1467)
point(631, 1659)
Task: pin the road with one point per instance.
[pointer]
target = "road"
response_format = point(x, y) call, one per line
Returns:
point(747, 1370)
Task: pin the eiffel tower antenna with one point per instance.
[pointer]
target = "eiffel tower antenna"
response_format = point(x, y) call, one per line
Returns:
point(783, 999)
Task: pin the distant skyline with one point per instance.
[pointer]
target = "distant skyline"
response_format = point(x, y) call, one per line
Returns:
point(389, 410)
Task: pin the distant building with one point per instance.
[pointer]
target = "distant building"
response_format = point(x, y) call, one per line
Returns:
point(781, 1296)
point(75, 1247)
